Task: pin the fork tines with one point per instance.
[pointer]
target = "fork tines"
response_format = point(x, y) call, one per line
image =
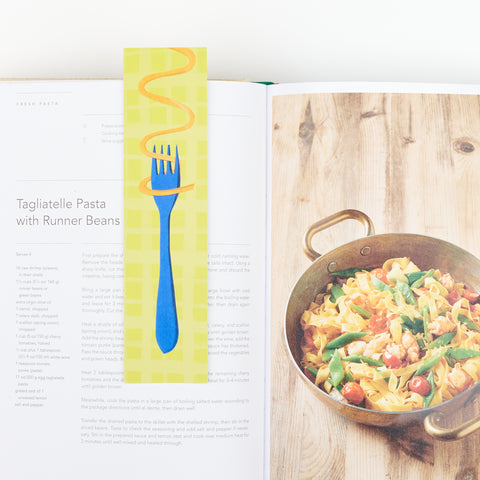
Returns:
point(161, 169)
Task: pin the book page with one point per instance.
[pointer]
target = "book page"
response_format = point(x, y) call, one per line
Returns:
point(65, 410)
point(405, 157)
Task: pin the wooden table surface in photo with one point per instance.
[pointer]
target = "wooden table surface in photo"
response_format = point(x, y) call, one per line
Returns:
point(412, 164)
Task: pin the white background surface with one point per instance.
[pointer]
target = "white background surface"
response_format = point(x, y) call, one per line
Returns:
point(294, 41)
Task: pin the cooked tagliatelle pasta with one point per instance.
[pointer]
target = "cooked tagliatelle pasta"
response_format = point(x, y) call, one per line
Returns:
point(393, 338)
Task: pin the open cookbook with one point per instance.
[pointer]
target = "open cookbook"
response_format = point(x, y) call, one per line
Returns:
point(280, 157)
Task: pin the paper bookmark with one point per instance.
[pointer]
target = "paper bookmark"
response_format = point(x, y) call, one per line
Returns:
point(165, 207)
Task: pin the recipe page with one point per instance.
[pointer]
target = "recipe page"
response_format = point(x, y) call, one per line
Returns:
point(64, 406)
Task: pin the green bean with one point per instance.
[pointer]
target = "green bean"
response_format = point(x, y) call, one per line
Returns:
point(427, 399)
point(348, 377)
point(397, 296)
point(379, 285)
point(327, 354)
point(336, 369)
point(312, 370)
point(418, 283)
point(471, 325)
point(430, 362)
point(421, 343)
point(415, 325)
point(336, 292)
point(356, 358)
point(450, 362)
point(345, 339)
point(462, 353)
point(418, 323)
point(405, 327)
point(349, 272)
point(442, 340)
point(364, 313)
point(338, 387)
point(406, 291)
point(414, 276)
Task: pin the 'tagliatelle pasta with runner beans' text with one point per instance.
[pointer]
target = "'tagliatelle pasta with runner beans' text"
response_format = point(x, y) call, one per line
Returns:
point(393, 338)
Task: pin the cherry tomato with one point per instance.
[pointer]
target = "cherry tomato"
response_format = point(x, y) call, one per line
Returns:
point(471, 295)
point(353, 392)
point(381, 274)
point(378, 324)
point(419, 385)
point(390, 360)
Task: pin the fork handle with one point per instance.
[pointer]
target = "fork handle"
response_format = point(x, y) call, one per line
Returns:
point(166, 322)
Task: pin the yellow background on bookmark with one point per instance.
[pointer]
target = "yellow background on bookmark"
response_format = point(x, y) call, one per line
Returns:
point(144, 362)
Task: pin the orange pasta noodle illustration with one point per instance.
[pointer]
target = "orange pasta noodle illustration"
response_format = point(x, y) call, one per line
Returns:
point(165, 188)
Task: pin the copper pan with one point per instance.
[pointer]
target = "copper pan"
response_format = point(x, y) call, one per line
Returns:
point(371, 251)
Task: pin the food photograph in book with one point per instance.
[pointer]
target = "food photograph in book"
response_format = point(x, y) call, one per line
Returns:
point(375, 266)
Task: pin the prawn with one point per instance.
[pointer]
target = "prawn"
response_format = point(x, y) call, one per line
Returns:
point(441, 325)
point(396, 350)
point(409, 342)
point(357, 347)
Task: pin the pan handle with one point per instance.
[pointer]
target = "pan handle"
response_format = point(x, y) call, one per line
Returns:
point(328, 222)
point(442, 433)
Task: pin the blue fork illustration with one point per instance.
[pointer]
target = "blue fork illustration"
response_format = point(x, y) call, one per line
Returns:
point(166, 322)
